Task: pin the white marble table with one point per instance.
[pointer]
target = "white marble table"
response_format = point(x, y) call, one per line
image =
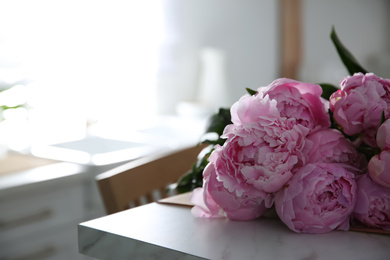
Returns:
point(161, 231)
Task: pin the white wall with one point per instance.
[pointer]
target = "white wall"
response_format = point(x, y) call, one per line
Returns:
point(364, 28)
point(96, 60)
point(246, 31)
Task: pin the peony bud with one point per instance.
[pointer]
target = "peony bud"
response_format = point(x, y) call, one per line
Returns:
point(379, 168)
point(383, 135)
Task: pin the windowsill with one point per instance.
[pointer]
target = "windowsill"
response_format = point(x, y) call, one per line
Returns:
point(108, 145)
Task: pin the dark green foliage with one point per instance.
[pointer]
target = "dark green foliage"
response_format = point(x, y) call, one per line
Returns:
point(327, 90)
point(346, 57)
point(218, 121)
point(251, 91)
point(194, 177)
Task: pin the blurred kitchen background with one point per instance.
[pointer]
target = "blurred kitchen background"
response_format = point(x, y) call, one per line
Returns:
point(87, 85)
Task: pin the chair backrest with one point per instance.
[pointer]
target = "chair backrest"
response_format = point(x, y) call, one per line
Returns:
point(126, 184)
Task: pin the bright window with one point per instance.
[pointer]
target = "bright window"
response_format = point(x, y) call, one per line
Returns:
point(81, 62)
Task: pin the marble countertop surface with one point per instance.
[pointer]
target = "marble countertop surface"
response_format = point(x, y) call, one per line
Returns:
point(161, 231)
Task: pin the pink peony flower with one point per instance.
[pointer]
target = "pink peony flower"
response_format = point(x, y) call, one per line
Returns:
point(205, 206)
point(299, 100)
point(373, 203)
point(318, 198)
point(330, 146)
point(217, 201)
point(256, 160)
point(379, 168)
point(358, 106)
point(383, 135)
point(250, 108)
point(335, 97)
point(262, 154)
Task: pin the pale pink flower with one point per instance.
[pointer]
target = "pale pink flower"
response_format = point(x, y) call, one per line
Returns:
point(262, 154)
point(251, 108)
point(205, 206)
point(358, 106)
point(299, 100)
point(373, 203)
point(379, 168)
point(318, 198)
point(256, 160)
point(217, 201)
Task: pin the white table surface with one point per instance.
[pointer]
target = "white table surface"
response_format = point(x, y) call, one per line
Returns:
point(161, 231)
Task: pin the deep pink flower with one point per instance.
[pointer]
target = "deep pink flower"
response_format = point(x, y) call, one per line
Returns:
point(379, 168)
point(383, 135)
point(299, 100)
point(205, 206)
point(373, 203)
point(358, 106)
point(330, 145)
point(318, 198)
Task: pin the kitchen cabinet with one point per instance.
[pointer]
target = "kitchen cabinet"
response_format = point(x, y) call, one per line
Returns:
point(40, 209)
point(44, 197)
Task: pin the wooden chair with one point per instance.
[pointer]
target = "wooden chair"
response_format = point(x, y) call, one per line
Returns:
point(126, 184)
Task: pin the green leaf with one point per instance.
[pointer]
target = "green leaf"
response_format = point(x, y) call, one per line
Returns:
point(4, 107)
point(219, 141)
point(368, 151)
point(333, 124)
point(327, 90)
point(383, 118)
point(347, 58)
point(251, 91)
point(219, 121)
point(194, 177)
point(184, 184)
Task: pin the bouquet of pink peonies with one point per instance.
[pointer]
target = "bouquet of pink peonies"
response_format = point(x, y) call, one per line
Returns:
point(317, 154)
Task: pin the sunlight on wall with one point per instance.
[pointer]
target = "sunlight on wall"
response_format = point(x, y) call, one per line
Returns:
point(82, 62)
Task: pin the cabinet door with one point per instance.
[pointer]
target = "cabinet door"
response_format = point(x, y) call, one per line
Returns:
point(59, 244)
point(38, 212)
